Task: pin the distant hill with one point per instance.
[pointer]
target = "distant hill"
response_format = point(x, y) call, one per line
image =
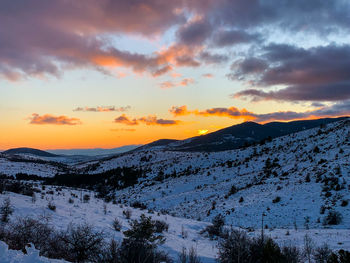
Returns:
point(29, 151)
point(239, 135)
point(95, 151)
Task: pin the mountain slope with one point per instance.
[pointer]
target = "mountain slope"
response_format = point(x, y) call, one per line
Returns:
point(240, 135)
point(290, 179)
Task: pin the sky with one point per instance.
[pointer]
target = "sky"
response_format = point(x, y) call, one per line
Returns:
point(107, 73)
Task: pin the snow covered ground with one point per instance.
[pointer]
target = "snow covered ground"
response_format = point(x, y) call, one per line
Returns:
point(306, 170)
point(182, 232)
point(14, 256)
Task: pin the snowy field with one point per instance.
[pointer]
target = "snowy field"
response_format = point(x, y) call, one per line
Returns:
point(182, 232)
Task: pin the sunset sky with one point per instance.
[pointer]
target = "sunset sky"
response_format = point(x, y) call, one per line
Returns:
point(107, 73)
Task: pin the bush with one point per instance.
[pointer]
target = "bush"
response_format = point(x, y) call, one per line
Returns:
point(82, 243)
point(161, 226)
point(237, 247)
point(86, 198)
point(144, 230)
point(51, 206)
point(276, 200)
point(127, 213)
point(141, 242)
point(333, 218)
point(28, 230)
point(117, 225)
point(216, 229)
point(6, 210)
point(322, 254)
point(344, 202)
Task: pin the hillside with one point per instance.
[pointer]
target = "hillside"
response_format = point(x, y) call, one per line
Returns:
point(29, 151)
point(306, 170)
point(238, 135)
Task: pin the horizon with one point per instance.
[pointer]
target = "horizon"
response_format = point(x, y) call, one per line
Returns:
point(139, 145)
point(116, 73)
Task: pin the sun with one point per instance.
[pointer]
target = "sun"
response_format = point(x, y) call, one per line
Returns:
point(202, 132)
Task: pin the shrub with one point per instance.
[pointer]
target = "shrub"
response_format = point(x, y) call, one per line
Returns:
point(51, 206)
point(127, 213)
point(28, 230)
point(141, 242)
point(344, 202)
point(144, 230)
point(6, 210)
point(322, 254)
point(235, 248)
point(86, 198)
point(82, 243)
point(216, 229)
point(117, 225)
point(138, 204)
point(276, 200)
point(192, 256)
point(161, 226)
point(233, 190)
point(332, 218)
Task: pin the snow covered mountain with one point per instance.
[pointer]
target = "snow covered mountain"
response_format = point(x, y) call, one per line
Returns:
point(294, 179)
point(237, 136)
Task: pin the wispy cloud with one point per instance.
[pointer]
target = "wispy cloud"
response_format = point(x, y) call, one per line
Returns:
point(334, 110)
point(171, 84)
point(54, 120)
point(103, 109)
point(148, 120)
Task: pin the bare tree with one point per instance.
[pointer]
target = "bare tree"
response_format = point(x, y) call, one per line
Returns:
point(308, 247)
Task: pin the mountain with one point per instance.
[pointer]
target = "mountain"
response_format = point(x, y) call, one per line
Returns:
point(95, 151)
point(239, 135)
point(30, 151)
point(295, 179)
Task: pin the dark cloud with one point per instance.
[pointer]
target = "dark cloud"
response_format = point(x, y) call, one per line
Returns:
point(298, 15)
point(210, 58)
point(39, 37)
point(195, 33)
point(233, 37)
point(331, 92)
point(315, 74)
point(51, 119)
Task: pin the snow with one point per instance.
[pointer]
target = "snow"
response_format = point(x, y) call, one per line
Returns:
point(14, 256)
point(200, 191)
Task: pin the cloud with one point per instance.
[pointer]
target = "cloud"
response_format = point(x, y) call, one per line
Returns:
point(195, 32)
point(171, 84)
point(41, 38)
point(315, 74)
point(103, 109)
point(231, 112)
point(209, 58)
point(331, 92)
point(334, 110)
point(123, 119)
point(55, 120)
point(232, 37)
point(148, 120)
